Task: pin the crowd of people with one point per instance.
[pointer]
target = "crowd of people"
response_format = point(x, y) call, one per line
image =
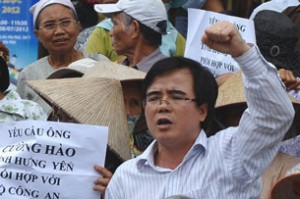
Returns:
point(187, 135)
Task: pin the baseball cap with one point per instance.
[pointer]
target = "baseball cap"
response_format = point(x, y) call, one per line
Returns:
point(148, 12)
point(95, 101)
point(39, 6)
point(276, 36)
point(75, 69)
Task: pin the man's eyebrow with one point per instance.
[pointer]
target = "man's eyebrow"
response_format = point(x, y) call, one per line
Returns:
point(153, 93)
point(169, 92)
point(175, 91)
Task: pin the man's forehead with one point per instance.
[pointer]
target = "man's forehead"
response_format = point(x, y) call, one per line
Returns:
point(180, 72)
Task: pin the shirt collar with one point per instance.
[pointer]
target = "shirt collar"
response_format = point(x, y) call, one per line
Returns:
point(147, 157)
point(147, 62)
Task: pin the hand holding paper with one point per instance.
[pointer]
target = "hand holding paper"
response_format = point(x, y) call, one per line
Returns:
point(101, 183)
point(225, 37)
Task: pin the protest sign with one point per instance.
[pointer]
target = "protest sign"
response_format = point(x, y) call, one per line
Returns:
point(218, 63)
point(50, 160)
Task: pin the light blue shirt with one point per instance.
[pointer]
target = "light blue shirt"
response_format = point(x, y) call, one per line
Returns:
point(227, 165)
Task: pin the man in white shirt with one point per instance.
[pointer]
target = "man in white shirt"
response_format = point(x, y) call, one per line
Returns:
point(179, 97)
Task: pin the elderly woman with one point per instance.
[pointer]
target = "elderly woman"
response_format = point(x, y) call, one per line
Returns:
point(56, 27)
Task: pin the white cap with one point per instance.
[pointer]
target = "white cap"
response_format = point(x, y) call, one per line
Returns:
point(75, 69)
point(39, 6)
point(148, 12)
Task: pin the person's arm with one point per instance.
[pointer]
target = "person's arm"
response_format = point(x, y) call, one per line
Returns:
point(268, 118)
point(270, 111)
point(290, 81)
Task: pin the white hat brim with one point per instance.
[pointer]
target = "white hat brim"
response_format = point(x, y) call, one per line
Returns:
point(106, 8)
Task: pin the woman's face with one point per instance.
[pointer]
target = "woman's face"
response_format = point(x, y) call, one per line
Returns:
point(132, 98)
point(57, 29)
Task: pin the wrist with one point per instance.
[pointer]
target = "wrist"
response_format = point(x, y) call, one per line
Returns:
point(242, 51)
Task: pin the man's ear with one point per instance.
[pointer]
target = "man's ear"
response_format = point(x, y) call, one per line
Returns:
point(136, 28)
point(203, 111)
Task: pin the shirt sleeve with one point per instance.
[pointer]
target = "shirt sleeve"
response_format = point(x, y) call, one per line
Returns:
point(94, 42)
point(265, 122)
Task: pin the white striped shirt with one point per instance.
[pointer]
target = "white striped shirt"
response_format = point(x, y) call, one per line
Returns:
point(227, 165)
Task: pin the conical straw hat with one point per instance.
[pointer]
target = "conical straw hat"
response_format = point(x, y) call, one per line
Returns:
point(289, 186)
point(278, 169)
point(91, 68)
point(97, 101)
point(232, 92)
point(115, 71)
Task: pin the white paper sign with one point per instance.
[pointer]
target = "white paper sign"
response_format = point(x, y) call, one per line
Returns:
point(218, 63)
point(50, 160)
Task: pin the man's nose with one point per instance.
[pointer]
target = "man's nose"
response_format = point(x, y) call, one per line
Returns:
point(163, 100)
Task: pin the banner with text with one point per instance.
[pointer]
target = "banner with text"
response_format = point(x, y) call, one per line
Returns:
point(16, 32)
point(50, 160)
point(218, 63)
